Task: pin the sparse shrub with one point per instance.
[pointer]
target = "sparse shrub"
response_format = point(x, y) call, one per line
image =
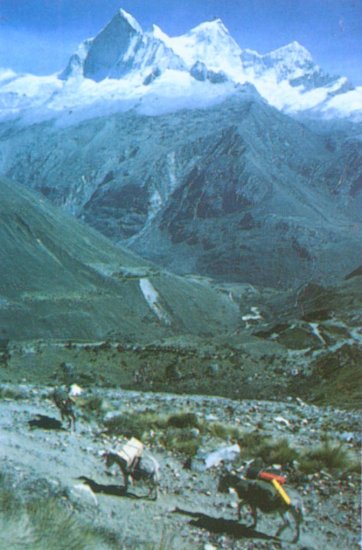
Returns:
point(330, 456)
point(278, 452)
point(105, 346)
point(9, 502)
point(93, 404)
point(223, 431)
point(251, 442)
point(9, 392)
point(182, 440)
point(166, 541)
point(134, 424)
point(179, 433)
point(183, 420)
point(256, 444)
point(40, 524)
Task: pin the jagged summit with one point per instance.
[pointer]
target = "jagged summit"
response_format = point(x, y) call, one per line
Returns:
point(215, 26)
point(209, 43)
point(130, 19)
point(291, 60)
point(154, 72)
point(292, 48)
point(158, 33)
point(114, 44)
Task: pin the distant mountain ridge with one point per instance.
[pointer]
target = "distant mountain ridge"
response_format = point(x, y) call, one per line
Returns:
point(123, 67)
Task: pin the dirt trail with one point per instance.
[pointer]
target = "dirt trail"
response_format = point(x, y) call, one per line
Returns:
point(203, 516)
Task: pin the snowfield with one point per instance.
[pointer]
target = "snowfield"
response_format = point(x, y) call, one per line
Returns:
point(155, 73)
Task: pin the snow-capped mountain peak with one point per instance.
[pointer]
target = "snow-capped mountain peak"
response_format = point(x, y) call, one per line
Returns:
point(211, 44)
point(158, 33)
point(114, 44)
point(291, 61)
point(292, 51)
point(125, 66)
point(287, 62)
point(130, 20)
point(209, 30)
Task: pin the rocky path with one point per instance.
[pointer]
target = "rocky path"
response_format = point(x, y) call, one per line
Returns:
point(204, 519)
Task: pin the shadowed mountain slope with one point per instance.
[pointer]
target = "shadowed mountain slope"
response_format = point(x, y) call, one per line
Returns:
point(59, 278)
point(239, 191)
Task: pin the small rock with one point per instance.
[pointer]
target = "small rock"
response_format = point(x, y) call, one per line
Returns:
point(83, 493)
point(233, 505)
point(282, 420)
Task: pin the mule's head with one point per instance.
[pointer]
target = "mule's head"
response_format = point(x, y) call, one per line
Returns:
point(108, 459)
point(226, 481)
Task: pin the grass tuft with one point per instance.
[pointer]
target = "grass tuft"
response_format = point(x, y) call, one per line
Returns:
point(328, 456)
point(222, 431)
point(182, 440)
point(43, 523)
point(183, 420)
point(278, 452)
point(9, 392)
point(258, 445)
point(134, 424)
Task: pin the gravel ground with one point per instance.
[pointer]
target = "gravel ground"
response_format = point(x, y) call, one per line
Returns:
point(189, 513)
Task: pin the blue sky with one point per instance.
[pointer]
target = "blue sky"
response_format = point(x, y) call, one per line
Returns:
point(38, 36)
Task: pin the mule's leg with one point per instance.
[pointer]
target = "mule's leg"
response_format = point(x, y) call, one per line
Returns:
point(254, 514)
point(284, 525)
point(72, 422)
point(125, 480)
point(154, 489)
point(296, 538)
point(297, 520)
point(240, 505)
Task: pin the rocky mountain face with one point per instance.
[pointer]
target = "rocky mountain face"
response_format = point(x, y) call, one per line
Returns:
point(60, 279)
point(120, 48)
point(239, 192)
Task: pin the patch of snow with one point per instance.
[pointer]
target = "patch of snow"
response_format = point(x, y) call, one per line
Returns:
point(342, 105)
point(253, 316)
point(6, 75)
point(175, 90)
point(171, 164)
point(35, 87)
point(131, 49)
point(47, 251)
point(155, 203)
point(356, 334)
point(316, 332)
point(153, 299)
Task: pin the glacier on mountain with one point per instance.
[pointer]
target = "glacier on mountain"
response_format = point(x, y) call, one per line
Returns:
point(123, 67)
